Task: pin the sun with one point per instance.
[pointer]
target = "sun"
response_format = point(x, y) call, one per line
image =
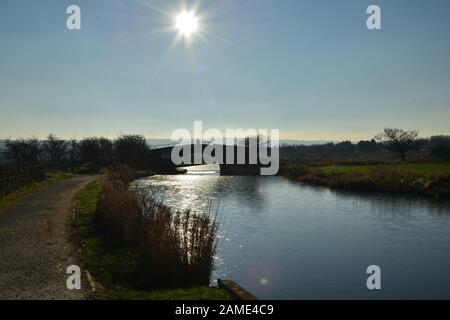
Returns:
point(186, 23)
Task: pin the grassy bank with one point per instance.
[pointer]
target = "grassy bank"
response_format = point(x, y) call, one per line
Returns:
point(50, 177)
point(125, 270)
point(425, 179)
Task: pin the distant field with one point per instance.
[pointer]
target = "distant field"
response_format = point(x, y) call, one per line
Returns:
point(418, 168)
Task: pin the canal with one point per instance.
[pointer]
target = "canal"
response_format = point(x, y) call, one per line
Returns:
point(284, 240)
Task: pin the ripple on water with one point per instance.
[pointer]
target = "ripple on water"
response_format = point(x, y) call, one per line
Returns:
point(285, 240)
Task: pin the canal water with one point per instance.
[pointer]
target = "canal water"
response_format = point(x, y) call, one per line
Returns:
point(284, 240)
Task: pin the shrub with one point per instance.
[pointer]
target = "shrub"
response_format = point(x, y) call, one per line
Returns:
point(96, 150)
point(295, 170)
point(131, 150)
point(13, 178)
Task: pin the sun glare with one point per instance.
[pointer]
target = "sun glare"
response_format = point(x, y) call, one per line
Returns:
point(186, 23)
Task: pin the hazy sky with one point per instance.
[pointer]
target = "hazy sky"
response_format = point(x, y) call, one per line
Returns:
point(310, 68)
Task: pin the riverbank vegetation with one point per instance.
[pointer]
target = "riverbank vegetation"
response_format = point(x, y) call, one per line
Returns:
point(428, 179)
point(139, 248)
point(396, 161)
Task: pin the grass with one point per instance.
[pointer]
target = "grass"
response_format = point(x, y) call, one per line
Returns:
point(427, 179)
point(51, 177)
point(117, 268)
point(414, 168)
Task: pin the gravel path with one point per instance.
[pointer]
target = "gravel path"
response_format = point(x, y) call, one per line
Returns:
point(36, 246)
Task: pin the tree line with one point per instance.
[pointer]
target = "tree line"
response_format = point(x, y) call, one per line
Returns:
point(398, 142)
point(127, 149)
point(133, 150)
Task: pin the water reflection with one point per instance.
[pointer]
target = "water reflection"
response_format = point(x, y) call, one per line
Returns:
point(196, 191)
point(284, 240)
point(399, 206)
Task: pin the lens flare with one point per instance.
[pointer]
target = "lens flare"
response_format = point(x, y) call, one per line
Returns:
point(186, 23)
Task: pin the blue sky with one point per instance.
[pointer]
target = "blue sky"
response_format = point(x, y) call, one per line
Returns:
point(310, 68)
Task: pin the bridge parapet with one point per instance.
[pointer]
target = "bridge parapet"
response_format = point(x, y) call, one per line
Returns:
point(233, 159)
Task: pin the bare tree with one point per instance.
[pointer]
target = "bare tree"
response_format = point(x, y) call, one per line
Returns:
point(23, 152)
point(55, 148)
point(73, 150)
point(105, 150)
point(399, 141)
